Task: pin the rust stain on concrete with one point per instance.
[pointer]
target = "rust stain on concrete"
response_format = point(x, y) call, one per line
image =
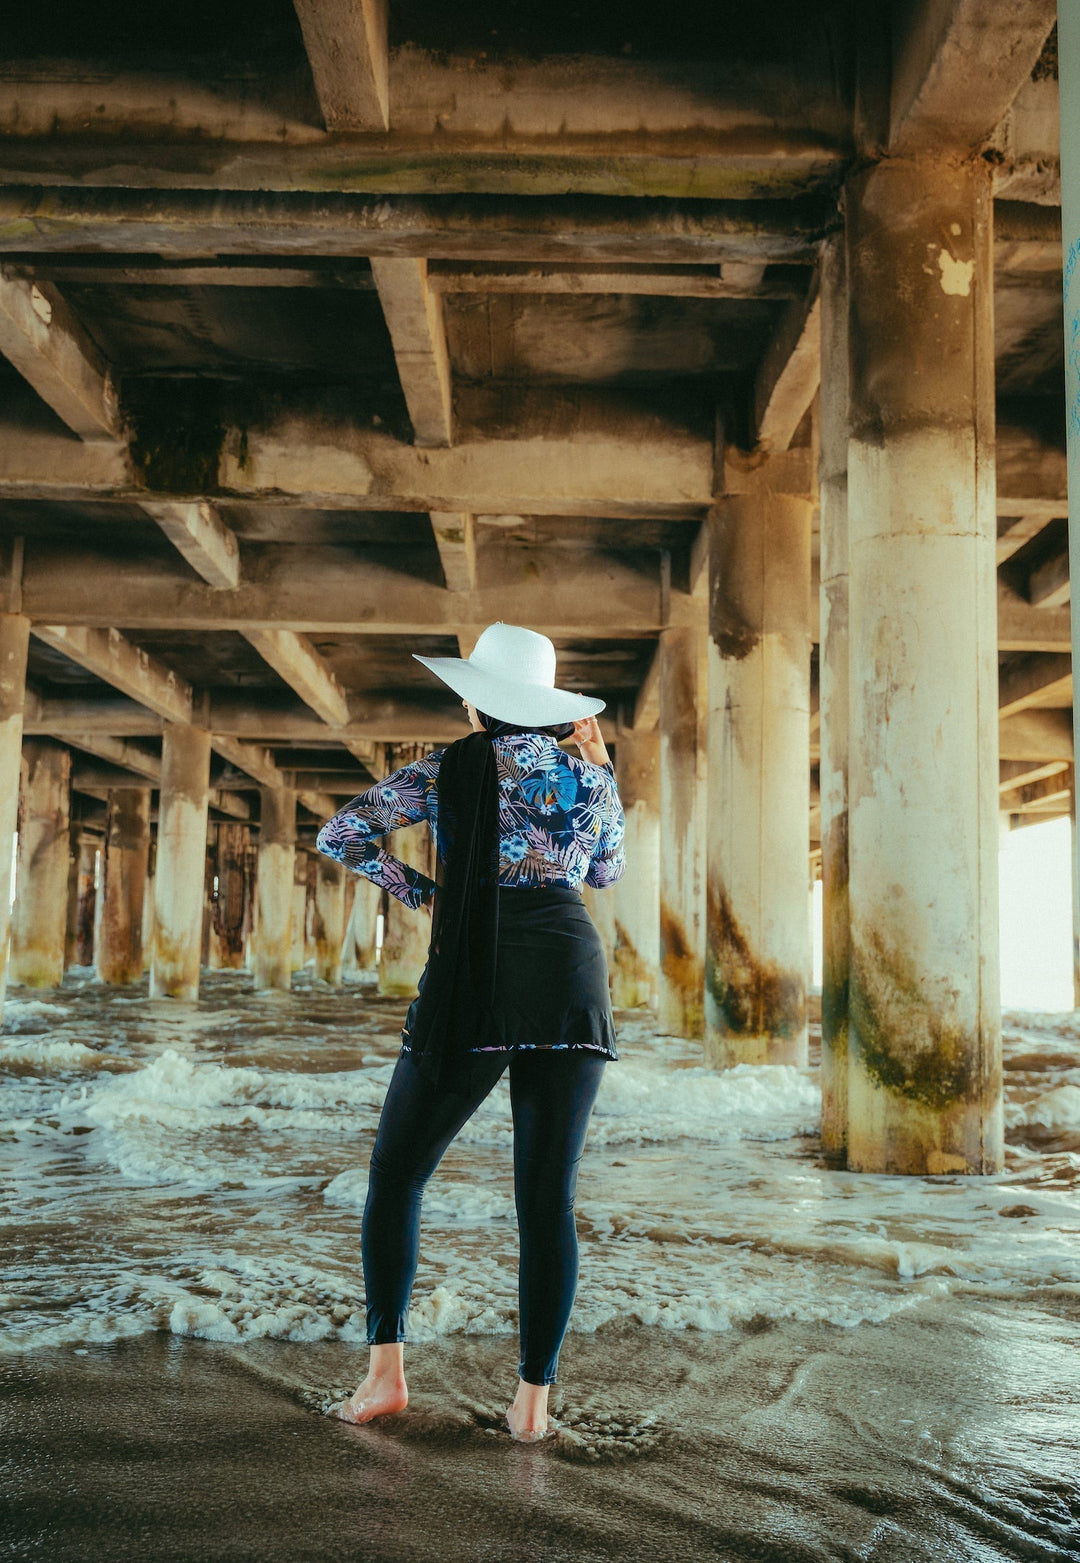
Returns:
point(681, 967)
point(905, 1044)
point(754, 997)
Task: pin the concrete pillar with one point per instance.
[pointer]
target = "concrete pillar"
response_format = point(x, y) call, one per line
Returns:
point(758, 937)
point(833, 701)
point(1069, 103)
point(148, 908)
point(119, 953)
point(328, 923)
point(636, 896)
point(683, 770)
point(208, 900)
point(924, 1024)
point(274, 888)
point(230, 909)
point(14, 639)
point(600, 905)
point(180, 869)
point(39, 917)
point(82, 894)
point(362, 927)
point(298, 914)
point(406, 934)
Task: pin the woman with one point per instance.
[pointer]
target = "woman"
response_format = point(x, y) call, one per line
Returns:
point(515, 974)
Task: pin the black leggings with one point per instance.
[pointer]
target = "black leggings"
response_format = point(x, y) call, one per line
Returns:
point(552, 1094)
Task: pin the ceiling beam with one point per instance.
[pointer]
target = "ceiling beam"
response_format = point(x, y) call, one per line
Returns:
point(1048, 581)
point(415, 321)
point(113, 658)
point(195, 222)
point(648, 281)
point(1036, 735)
point(790, 372)
point(1035, 680)
point(42, 339)
point(115, 751)
point(956, 67)
point(455, 538)
point(198, 533)
point(296, 661)
point(1015, 531)
point(346, 44)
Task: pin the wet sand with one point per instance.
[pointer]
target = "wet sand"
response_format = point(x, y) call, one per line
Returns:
point(796, 1442)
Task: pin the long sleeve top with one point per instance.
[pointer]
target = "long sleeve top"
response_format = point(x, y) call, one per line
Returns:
point(561, 821)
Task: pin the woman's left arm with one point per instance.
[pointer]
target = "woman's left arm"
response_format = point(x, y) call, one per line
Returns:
point(402, 799)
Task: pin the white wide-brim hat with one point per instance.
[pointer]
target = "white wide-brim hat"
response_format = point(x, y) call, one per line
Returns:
point(511, 676)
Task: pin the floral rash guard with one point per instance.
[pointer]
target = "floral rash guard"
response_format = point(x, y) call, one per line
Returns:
point(560, 820)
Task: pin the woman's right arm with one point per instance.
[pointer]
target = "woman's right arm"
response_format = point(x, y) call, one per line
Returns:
point(402, 799)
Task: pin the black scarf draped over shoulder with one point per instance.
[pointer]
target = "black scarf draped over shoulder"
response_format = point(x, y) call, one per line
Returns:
point(459, 980)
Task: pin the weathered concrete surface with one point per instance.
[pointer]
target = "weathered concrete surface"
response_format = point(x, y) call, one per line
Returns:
point(924, 1068)
point(272, 934)
point(406, 934)
point(600, 905)
point(636, 896)
point(180, 867)
point(833, 679)
point(362, 925)
point(14, 640)
point(39, 916)
point(757, 931)
point(232, 909)
point(119, 952)
point(328, 923)
point(683, 770)
point(1069, 99)
point(298, 917)
point(82, 876)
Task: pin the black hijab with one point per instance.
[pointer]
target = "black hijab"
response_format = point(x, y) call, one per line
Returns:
point(459, 982)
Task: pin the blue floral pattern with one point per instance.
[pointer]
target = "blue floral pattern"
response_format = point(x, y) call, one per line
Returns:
point(560, 820)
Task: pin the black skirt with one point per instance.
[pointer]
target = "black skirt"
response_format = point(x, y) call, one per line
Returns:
point(551, 978)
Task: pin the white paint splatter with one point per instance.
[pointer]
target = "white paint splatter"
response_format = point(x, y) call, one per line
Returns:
point(956, 274)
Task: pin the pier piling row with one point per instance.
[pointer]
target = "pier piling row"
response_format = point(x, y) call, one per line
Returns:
point(735, 365)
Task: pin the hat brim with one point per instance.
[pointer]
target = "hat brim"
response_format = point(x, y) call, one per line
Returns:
point(508, 700)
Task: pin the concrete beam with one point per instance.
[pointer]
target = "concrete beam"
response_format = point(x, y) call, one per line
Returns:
point(1021, 773)
point(956, 67)
point(1049, 792)
point(1015, 531)
point(1048, 582)
point(790, 372)
point(1036, 735)
point(732, 281)
point(198, 533)
point(114, 751)
point(40, 336)
point(1022, 627)
point(346, 43)
point(252, 759)
point(1036, 680)
point(627, 231)
point(455, 538)
point(415, 322)
point(296, 661)
point(113, 658)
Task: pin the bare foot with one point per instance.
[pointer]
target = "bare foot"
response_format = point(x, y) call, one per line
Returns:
point(527, 1418)
point(375, 1397)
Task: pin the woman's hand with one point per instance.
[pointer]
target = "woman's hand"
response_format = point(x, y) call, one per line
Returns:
point(589, 742)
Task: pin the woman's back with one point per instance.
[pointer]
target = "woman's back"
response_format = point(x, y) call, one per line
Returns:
point(560, 820)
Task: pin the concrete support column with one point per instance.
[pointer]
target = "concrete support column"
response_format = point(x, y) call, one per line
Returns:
point(14, 639)
point(362, 926)
point(148, 908)
point(180, 868)
point(683, 769)
point(1069, 102)
point(272, 937)
point(82, 893)
point(406, 933)
point(231, 910)
point(600, 905)
point(924, 1026)
point(833, 664)
point(119, 954)
point(329, 919)
point(39, 917)
point(636, 896)
point(758, 934)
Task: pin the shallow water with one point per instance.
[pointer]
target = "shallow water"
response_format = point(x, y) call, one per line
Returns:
point(197, 1175)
